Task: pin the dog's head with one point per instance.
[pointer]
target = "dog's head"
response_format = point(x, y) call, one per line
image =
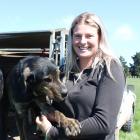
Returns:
point(42, 77)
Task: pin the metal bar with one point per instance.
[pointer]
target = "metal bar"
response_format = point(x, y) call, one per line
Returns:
point(22, 49)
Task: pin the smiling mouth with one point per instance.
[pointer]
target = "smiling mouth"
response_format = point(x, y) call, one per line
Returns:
point(84, 48)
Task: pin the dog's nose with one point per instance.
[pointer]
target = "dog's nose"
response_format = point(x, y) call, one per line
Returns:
point(64, 91)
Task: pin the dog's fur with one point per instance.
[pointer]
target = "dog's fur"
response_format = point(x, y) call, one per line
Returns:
point(32, 85)
point(3, 110)
point(1, 84)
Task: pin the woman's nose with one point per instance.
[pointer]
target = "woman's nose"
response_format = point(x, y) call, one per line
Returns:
point(83, 40)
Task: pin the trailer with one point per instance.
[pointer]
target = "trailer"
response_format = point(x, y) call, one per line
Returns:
point(17, 45)
point(14, 46)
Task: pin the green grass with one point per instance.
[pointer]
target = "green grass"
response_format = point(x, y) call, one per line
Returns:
point(135, 134)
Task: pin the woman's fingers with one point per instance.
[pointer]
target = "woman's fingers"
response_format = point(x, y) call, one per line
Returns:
point(38, 120)
point(43, 123)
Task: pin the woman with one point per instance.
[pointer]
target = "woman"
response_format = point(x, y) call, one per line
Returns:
point(95, 82)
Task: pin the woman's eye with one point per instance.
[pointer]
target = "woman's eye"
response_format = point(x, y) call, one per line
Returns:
point(90, 36)
point(77, 36)
point(48, 80)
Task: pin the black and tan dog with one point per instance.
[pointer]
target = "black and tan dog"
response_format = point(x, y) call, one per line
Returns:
point(33, 84)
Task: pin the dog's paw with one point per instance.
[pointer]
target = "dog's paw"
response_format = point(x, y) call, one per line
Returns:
point(72, 127)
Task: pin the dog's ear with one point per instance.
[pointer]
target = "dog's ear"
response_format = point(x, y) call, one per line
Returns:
point(26, 73)
point(24, 76)
point(31, 78)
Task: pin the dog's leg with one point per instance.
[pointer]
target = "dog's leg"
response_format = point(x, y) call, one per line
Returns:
point(24, 127)
point(27, 127)
point(19, 123)
point(71, 126)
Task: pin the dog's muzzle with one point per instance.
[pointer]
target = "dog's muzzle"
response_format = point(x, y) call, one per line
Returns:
point(63, 91)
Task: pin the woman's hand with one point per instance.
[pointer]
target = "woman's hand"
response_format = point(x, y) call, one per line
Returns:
point(43, 124)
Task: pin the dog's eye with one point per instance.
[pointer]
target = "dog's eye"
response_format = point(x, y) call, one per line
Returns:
point(48, 80)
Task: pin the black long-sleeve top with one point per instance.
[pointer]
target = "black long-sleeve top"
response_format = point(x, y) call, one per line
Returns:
point(94, 100)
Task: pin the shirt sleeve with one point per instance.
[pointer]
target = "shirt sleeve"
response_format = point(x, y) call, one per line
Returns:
point(107, 104)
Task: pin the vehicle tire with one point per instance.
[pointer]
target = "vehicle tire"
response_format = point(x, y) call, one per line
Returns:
point(127, 127)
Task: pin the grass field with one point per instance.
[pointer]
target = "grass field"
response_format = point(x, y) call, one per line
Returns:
point(135, 134)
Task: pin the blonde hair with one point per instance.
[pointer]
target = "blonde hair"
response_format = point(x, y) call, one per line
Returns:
point(103, 54)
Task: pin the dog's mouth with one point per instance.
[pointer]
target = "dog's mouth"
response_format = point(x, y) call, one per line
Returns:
point(48, 100)
point(48, 93)
point(43, 99)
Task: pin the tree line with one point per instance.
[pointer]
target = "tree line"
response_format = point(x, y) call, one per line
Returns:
point(134, 69)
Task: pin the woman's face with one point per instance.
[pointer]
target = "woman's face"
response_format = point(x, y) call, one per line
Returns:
point(85, 41)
